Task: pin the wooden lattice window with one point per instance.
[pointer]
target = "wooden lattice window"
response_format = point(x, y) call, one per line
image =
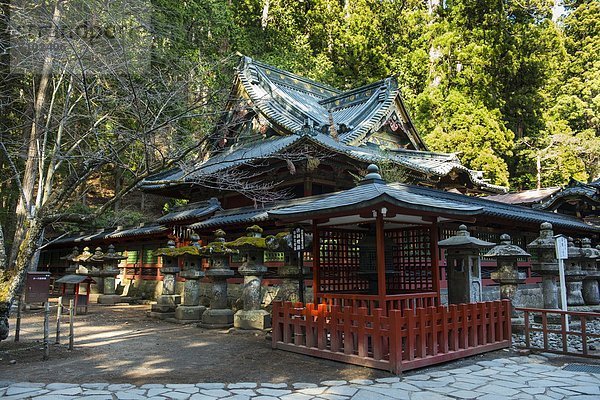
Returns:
point(274, 256)
point(149, 257)
point(339, 262)
point(412, 261)
point(132, 256)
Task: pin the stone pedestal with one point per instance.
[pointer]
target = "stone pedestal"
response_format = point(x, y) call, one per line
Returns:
point(191, 310)
point(168, 301)
point(90, 264)
point(253, 247)
point(291, 274)
point(109, 273)
point(218, 315)
point(544, 262)
point(507, 275)
point(591, 294)
point(288, 290)
point(574, 276)
point(252, 317)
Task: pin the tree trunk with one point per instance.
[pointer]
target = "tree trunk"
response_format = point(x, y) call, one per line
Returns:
point(538, 166)
point(12, 282)
point(2, 251)
point(264, 21)
point(30, 174)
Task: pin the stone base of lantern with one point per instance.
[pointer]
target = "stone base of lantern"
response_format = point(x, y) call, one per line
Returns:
point(254, 319)
point(187, 314)
point(217, 319)
point(110, 299)
point(166, 303)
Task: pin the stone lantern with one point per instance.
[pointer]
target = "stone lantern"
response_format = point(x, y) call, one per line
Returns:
point(544, 262)
point(218, 316)
point(168, 301)
point(82, 266)
point(463, 266)
point(109, 272)
point(72, 258)
point(507, 275)
point(253, 247)
point(590, 292)
point(190, 310)
point(574, 275)
point(292, 271)
point(93, 264)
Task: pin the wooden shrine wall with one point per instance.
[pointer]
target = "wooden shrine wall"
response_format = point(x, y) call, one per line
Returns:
point(412, 261)
point(340, 261)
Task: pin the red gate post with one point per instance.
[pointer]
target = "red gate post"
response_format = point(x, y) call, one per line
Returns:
point(316, 243)
point(362, 338)
point(465, 326)
point(321, 334)
point(454, 341)
point(310, 326)
point(410, 334)
point(275, 332)
point(444, 341)
point(395, 335)
point(334, 328)
point(434, 331)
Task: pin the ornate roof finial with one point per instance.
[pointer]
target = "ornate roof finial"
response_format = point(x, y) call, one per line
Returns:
point(372, 175)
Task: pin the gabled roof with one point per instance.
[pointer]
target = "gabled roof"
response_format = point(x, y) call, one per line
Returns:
point(372, 190)
point(512, 212)
point(434, 165)
point(423, 199)
point(575, 189)
point(301, 110)
point(293, 102)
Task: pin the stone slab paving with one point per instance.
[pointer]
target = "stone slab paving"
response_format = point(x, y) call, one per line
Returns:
point(504, 378)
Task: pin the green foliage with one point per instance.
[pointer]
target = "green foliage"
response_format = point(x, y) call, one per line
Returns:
point(476, 133)
point(172, 204)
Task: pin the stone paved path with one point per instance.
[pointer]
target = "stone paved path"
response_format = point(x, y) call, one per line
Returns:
point(505, 378)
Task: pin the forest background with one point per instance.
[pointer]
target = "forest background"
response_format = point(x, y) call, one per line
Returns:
point(513, 87)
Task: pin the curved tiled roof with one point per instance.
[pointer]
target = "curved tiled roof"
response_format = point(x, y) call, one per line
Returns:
point(302, 108)
point(428, 163)
point(291, 101)
point(424, 199)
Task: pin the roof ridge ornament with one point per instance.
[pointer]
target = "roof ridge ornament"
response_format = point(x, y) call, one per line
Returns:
point(372, 176)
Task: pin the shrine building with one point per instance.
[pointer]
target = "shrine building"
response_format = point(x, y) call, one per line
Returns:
point(285, 140)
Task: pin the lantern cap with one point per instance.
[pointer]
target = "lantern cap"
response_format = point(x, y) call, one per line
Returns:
point(254, 240)
point(506, 249)
point(546, 239)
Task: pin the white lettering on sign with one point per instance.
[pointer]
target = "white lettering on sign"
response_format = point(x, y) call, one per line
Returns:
point(561, 247)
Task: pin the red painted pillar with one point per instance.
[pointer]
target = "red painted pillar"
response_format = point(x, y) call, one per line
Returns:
point(435, 259)
point(316, 261)
point(380, 237)
point(76, 297)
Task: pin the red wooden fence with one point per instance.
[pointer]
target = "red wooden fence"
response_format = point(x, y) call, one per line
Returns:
point(546, 329)
point(403, 340)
